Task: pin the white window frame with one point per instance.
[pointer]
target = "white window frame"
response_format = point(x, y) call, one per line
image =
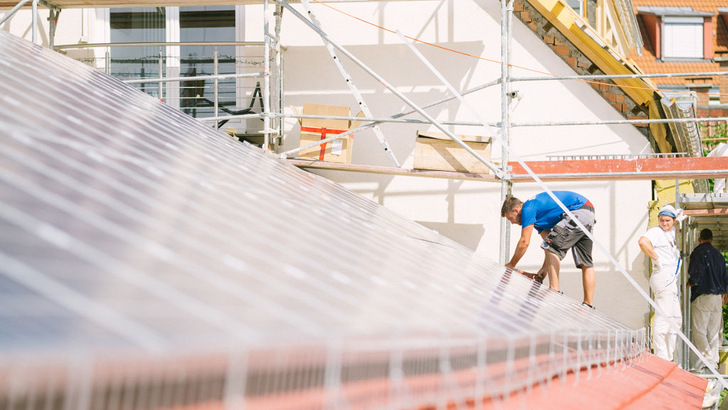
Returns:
point(577, 5)
point(172, 34)
point(682, 37)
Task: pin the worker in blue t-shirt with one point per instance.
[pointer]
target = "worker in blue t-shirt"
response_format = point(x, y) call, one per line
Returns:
point(559, 233)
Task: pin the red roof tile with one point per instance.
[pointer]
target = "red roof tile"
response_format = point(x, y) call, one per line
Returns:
point(698, 5)
point(653, 384)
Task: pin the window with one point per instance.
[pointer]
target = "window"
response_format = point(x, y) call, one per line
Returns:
point(714, 96)
point(206, 24)
point(138, 25)
point(576, 5)
point(682, 37)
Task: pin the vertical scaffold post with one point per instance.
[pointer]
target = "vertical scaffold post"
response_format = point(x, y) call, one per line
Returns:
point(266, 75)
point(160, 63)
point(34, 18)
point(278, 124)
point(506, 184)
point(54, 12)
point(216, 84)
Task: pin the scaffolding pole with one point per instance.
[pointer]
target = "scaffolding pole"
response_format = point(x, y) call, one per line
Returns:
point(620, 76)
point(158, 43)
point(12, 11)
point(397, 119)
point(266, 77)
point(197, 77)
point(53, 14)
point(506, 184)
point(34, 19)
point(279, 72)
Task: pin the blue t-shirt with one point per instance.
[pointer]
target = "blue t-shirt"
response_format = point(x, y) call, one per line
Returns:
point(543, 212)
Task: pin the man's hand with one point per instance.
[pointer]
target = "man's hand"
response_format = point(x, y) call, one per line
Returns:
point(508, 265)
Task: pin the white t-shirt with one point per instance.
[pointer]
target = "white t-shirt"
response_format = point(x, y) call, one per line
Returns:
point(665, 246)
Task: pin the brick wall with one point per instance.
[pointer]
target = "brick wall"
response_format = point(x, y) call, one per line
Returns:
point(578, 61)
point(723, 79)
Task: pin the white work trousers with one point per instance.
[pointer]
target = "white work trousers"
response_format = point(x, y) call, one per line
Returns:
point(664, 286)
point(707, 328)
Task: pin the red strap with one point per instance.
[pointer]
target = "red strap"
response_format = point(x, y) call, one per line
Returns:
point(320, 130)
point(323, 132)
point(322, 151)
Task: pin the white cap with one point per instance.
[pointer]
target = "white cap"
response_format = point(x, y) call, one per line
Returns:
point(670, 210)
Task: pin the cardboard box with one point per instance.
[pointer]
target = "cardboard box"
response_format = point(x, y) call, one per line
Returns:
point(315, 129)
point(436, 151)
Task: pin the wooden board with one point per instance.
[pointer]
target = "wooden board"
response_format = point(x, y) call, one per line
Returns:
point(437, 152)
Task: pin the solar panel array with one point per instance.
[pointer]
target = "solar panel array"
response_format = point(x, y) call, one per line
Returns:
point(148, 261)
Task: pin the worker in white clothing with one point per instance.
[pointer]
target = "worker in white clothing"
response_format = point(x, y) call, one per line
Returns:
point(660, 246)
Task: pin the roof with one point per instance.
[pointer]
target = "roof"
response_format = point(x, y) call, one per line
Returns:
point(653, 383)
point(702, 5)
point(673, 11)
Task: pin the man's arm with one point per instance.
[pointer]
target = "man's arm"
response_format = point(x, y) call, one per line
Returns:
point(695, 270)
point(646, 247)
point(522, 246)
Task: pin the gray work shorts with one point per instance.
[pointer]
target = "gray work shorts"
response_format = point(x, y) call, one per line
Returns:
point(567, 235)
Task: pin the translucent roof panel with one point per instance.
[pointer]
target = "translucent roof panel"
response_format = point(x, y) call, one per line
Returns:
point(136, 241)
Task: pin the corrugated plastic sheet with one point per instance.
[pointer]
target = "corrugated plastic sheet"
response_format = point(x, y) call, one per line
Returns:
point(147, 260)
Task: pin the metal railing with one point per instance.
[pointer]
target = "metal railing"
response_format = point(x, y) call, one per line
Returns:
point(222, 88)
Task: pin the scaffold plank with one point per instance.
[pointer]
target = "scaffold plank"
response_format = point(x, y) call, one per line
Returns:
point(626, 169)
point(566, 170)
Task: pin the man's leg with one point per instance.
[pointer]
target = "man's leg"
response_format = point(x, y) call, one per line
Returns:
point(664, 337)
point(715, 329)
point(589, 281)
point(700, 330)
point(659, 336)
point(552, 264)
